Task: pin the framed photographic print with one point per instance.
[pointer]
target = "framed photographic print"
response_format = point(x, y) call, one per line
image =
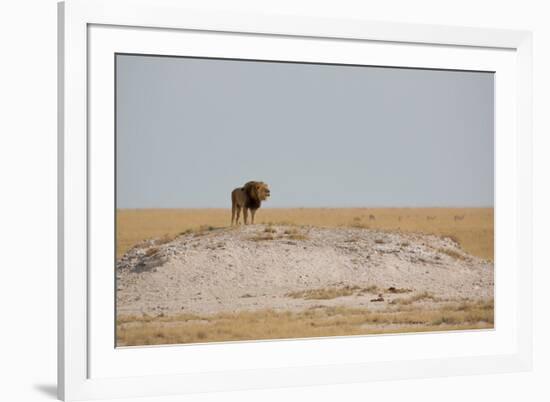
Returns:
point(253, 201)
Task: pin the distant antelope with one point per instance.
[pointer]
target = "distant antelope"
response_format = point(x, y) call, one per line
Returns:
point(372, 217)
point(430, 218)
point(459, 217)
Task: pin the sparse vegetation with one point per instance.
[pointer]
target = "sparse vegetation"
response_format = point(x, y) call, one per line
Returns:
point(151, 251)
point(202, 230)
point(270, 232)
point(298, 236)
point(197, 231)
point(395, 290)
point(452, 237)
point(370, 289)
point(452, 253)
point(314, 322)
point(324, 293)
point(358, 225)
point(261, 237)
point(415, 298)
point(295, 234)
point(332, 292)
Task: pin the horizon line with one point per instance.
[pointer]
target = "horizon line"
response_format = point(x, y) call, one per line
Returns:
point(327, 207)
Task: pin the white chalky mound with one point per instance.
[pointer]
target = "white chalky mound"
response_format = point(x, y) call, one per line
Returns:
point(251, 268)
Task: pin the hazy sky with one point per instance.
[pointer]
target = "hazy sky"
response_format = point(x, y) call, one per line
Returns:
point(191, 130)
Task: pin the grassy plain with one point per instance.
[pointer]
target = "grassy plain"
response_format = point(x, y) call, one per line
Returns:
point(316, 322)
point(472, 228)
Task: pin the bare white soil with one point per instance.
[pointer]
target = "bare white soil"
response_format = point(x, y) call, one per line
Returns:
point(247, 268)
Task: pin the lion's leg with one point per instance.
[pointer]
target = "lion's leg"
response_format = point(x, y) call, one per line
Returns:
point(245, 215)
point(238, 215)
point(252, 213)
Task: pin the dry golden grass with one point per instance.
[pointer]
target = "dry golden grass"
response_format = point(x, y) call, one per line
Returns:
point(370, 289)
point(452, 253)
point(338, 291)
point(294, 234)
point(298, 236)
point(415, 298)
point(315, 322)
point(324, 293)
point(261, 237)
point(151, 251)
point(472, 228)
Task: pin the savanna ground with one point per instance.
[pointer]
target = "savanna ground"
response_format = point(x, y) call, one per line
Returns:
point(471, 228)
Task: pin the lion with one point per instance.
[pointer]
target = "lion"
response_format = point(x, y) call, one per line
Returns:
point(248, 197)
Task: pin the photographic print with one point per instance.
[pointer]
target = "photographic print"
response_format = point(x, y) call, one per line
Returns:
point(262, 200)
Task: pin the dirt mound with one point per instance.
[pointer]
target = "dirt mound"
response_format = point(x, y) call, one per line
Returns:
point(295, 268)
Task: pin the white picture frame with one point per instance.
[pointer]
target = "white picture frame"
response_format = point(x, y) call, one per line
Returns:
point(90, 32)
